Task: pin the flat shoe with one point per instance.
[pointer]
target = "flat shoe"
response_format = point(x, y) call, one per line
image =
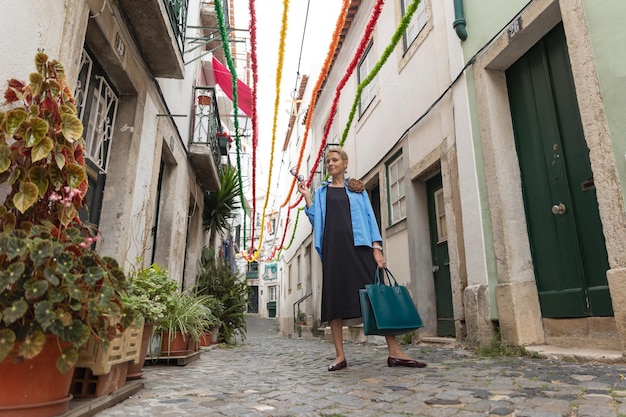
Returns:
point(410, 363)
point(338, 366)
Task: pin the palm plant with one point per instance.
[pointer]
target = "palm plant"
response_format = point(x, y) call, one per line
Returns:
point(215, 278)
point(220, 206)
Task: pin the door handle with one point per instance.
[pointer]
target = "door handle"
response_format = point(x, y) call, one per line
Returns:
point(435, 268)
point(558, 209)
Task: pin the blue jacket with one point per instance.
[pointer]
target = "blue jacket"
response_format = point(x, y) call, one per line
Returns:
point(364, 226)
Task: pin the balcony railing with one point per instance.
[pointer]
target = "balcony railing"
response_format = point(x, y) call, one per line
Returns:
point(177, 12)
point(204, 151)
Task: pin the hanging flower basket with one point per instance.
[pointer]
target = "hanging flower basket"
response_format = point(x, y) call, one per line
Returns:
point(223, 140)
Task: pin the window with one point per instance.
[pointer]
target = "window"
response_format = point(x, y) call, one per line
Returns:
point(416, 24)
point(272, 292)
point(289, 278)
point(397, 193)
point(365, 67)
point(307, 265)
point(332, 131)
point(97, 107)
point(299, 276)
point(440, 213)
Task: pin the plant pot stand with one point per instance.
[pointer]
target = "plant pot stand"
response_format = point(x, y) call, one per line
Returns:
point(90, 406)
point(181, 359)
point(86, 384)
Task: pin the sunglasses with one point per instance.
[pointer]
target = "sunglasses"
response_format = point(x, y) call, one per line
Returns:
point(299, 177)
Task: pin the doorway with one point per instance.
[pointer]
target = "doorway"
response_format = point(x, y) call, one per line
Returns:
point(564, 229)
point(440, 259)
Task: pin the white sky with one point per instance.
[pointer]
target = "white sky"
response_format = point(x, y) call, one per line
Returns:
point(320, 24)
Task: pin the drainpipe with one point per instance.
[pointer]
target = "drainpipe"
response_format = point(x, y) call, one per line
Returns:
point(459, 20)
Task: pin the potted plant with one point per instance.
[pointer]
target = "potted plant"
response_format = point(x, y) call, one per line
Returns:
point(221, 206)
point(150, 292)
point(215, 309)
point(301, 318)
point(216, 278)
point(223, 141)
point(185, 322)
point(55, 290)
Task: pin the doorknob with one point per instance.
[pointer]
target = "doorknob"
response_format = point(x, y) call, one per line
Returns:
point(558, 209)
point(435, 268)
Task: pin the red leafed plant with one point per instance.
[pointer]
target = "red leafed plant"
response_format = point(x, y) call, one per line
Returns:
point(41, 150)
point(51, 280)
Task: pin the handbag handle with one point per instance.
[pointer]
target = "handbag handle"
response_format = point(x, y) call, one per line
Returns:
point(389, 274)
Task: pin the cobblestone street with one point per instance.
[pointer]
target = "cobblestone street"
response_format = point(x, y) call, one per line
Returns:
point(269, 375)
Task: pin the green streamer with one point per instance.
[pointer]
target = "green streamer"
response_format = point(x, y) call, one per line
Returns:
point(293, 235)
point(295, 227)
point(404, 23)
point(219, 11)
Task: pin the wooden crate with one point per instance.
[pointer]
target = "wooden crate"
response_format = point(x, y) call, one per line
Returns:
point(85, 384)
point(126, 347)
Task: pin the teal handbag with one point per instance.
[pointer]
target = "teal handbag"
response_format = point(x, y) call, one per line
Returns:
point(388, 310)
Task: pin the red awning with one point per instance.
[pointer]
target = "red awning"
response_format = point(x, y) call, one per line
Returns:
point(223, 78)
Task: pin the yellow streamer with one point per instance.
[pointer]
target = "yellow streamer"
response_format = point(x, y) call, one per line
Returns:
point(279, 76)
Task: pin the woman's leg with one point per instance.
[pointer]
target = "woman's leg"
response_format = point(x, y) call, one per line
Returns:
point(336, 329)
point(394, 348)
point(397, 357)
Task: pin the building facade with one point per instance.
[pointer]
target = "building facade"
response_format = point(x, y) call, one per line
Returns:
point(149, 112)
point(545, 120)
point(490, 144)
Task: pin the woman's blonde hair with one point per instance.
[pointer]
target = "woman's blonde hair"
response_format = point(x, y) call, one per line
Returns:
point(340, 151)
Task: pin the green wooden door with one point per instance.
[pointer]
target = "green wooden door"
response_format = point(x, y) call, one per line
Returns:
point(564, 229)
point(441, 260)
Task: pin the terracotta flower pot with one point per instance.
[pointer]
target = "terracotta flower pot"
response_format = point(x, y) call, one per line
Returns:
point(35, 387)
point(176, 346)
point(204, 100)
point(206, 339)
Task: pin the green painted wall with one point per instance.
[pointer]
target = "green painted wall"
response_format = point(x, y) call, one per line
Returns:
point(607, 30)
point(485, 19)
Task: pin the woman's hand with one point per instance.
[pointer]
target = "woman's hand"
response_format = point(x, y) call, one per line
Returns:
point(306, 193)
point(303, 189)
point(380, 258)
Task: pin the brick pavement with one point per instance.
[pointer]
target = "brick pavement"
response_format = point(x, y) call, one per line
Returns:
point(269, 375)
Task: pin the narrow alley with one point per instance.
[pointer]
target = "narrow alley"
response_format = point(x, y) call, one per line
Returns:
point(270, 375)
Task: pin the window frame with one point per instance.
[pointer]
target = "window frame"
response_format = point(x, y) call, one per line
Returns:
point(271, 292)
point(364, 68)
point(395, 165)
point(418, 23)
point(94, 93)
point(298, 271)
point(440, 214)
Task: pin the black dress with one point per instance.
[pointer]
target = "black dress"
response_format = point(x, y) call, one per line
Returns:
point(346, 268)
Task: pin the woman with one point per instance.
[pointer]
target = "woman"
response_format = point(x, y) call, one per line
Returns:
point(350, 245)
